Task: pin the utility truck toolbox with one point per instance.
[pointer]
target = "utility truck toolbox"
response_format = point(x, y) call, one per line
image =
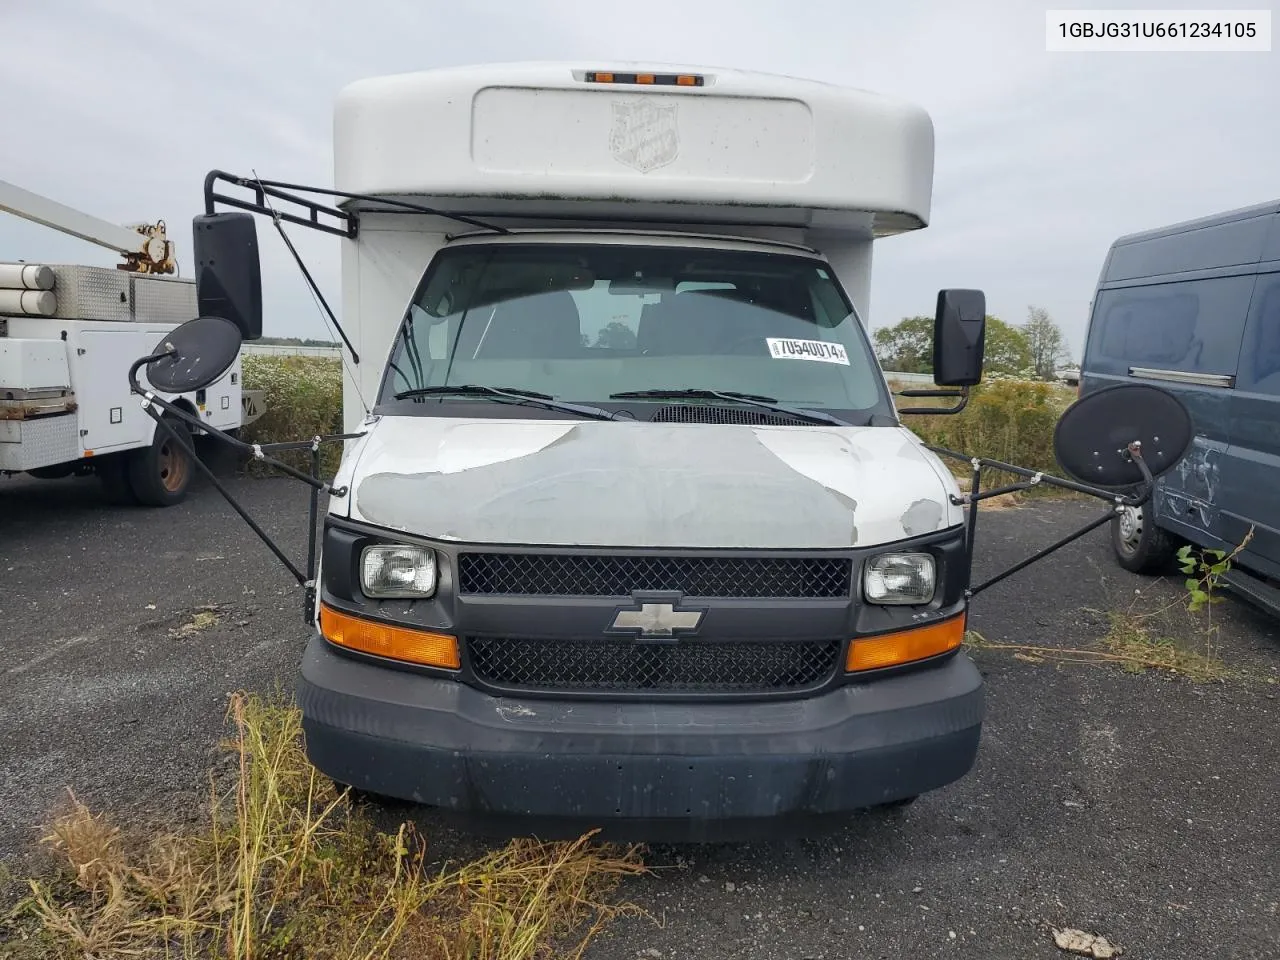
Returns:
point(628, 528)
point(68, 334)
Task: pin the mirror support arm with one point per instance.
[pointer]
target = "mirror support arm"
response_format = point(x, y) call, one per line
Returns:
point(962, 393)
point(313, 510)
point(977, 495)
point(204, 468)
point(150, 403)
point(1088, 528)
point(255, 450)
point(315, 289)
point(1036, 477)
point(975, 485)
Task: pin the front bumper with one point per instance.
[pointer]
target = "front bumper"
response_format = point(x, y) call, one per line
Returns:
point(685, 766)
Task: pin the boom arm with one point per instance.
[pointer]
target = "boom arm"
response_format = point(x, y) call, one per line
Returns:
point(145, 248)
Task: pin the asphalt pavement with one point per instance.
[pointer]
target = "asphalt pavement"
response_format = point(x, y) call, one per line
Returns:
point(1138, 807)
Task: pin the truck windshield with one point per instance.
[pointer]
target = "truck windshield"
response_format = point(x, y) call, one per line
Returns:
point(585, 323)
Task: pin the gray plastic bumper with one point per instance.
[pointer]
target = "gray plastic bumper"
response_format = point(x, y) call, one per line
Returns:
point(442, 743)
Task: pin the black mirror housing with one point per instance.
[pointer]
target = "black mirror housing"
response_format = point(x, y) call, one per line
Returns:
point(228, 270)
point(959, 331)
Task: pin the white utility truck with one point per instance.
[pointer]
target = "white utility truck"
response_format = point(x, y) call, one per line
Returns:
point(631, 532)
point(68, 334)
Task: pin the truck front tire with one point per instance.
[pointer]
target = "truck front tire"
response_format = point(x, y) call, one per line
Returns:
point(160, 474)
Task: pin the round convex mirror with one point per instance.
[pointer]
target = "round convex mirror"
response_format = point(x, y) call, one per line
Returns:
point(1092, 437)
point(198, 353)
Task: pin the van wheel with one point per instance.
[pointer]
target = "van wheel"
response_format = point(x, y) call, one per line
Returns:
point(1139, 545)
point(160, 474)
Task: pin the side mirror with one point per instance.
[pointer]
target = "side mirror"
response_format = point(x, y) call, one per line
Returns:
point(228, 271)
point(195, 355)
point(191, 356)
point(959, 329)
point(1092, 436)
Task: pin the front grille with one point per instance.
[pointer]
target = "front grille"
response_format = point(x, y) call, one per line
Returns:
point(695, 413)
point(686, 666)
point(581, 575)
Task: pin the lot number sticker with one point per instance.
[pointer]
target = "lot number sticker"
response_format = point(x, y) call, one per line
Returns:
point(820, 350)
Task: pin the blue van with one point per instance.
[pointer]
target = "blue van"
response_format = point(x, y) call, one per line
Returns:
point(1195, 308)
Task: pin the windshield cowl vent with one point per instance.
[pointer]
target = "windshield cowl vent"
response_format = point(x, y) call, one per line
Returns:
point(699, 413)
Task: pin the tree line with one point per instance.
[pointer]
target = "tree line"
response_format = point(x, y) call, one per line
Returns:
point(1034, 350)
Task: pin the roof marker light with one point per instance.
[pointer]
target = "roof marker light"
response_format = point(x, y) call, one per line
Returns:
point(646, 79)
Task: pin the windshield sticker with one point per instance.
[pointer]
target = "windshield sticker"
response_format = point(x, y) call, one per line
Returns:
point(820, 350)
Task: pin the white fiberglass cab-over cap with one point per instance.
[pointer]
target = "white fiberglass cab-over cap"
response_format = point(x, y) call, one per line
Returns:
point(696, 143)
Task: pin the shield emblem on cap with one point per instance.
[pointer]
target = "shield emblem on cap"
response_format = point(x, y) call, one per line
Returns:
point(645, 135)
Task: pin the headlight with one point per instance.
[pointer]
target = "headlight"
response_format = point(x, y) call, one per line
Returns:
point(899, 578)
point(397, 570)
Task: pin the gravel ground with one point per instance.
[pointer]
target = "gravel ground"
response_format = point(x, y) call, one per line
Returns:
point(1137, 807)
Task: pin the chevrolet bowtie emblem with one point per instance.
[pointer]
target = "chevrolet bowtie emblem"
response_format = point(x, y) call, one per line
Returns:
point(655, 620)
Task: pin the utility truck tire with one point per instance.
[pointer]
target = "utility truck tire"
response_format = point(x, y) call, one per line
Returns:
point(1139, 545)
point(113, 474)
point(160, 474)
point(55, 472)
point(218, 456)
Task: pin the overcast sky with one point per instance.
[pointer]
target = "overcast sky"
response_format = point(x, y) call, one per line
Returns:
point(120, 108)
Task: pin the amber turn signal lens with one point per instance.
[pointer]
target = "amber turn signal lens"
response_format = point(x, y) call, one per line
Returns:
point(905, 646)
point(396, 643)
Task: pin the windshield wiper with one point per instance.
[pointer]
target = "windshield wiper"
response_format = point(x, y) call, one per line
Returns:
point(508, 395)
point(769, 403)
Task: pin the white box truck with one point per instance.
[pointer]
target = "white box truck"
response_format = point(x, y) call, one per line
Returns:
point(629, 531)
point(68, 334)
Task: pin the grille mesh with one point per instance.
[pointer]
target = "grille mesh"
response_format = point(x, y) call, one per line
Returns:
point(696, 413)
point(560, 575)
point(686, 666)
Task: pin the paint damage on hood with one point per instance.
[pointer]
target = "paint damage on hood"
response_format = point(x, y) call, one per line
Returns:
point(637, 484)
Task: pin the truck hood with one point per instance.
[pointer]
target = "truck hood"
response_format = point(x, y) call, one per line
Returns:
point(638, 484)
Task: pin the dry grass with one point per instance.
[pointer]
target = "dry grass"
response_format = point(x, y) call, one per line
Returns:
point(285, 867)
point(1176, 635)
point(201, 619)
point(1143, 646)
point(1129, 644)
